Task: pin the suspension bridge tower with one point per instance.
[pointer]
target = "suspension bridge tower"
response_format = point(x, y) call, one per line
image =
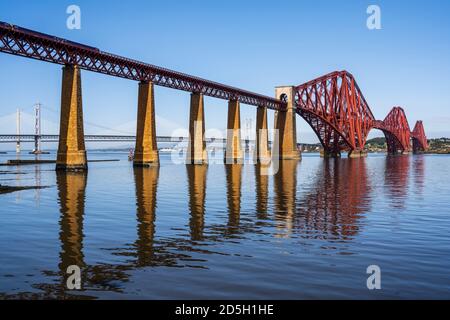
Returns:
point(18, 131)
point(37, 130)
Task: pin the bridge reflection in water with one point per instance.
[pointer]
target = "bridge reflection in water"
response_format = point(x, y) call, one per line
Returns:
point(261, 191)
point(71, 193)
point(285, 187)
point(396, 175)
point(146, 181)
point(331, 208)
point(71, 198)
point(197, 196)
point(336, 200)
point(418, 174)
point(233, 174)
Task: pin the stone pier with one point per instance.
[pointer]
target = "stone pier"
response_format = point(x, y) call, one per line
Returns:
point(262, 137)
point(285, 144)
point(146, 150)
point(357, 154)
point(233, 152)
point(71, 154)
point(196, 153)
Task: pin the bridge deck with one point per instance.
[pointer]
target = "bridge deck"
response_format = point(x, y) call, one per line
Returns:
point(27, 43)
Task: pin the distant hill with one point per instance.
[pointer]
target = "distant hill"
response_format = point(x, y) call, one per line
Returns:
point(379, 140)
point(376, 144)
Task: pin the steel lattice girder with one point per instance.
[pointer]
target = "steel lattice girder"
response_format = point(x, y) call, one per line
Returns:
point(31, 44)
point(336, 109)
point(420, 141)
point(397, 125)
point(392, 142)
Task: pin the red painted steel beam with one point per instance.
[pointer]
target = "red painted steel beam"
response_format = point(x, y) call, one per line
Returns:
point(420, 141)
point(336, 109)
point(398, 132)
point(35, 45)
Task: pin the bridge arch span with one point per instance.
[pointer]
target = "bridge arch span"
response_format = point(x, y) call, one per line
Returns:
point(419, 139)
point(335, 108)
point(332, 140)
point(392, 142)
point(396, 130)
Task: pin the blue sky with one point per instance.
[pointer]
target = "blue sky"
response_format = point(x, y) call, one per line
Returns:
point(256, 45)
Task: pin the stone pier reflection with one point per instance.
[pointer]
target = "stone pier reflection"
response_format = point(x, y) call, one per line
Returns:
point(285, 188)
point(261, 190)
point(71, 197)
point(71, 194)
point(233, 174)
point(197, 195)
point(146, 180)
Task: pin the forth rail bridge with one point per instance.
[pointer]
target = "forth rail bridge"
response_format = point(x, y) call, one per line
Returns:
point(333, 105)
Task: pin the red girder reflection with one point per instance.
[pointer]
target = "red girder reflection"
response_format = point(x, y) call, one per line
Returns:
point(337, 201)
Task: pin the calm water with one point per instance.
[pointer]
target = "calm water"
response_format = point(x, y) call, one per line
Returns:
point(227, 232)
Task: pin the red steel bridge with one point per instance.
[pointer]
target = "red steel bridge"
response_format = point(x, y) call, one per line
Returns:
point(333, 105)
point(335, 108)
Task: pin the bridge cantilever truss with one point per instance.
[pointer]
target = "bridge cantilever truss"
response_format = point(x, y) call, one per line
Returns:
point(396, 130)
point(335, 108)
point(420, 142)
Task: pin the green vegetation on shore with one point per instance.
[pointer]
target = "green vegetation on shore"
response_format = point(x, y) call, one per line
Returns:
point(376, 145)
point(436, 146)
point(440, 145)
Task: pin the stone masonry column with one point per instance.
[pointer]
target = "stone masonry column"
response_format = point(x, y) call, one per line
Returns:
point(285, 144)
point(196, 153)
point(262, 136)
point(146, 150)
point(233, 152)
point(357, 154)
point(71, 154)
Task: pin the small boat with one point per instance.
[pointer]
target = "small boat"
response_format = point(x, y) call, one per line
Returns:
point(131, 155)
